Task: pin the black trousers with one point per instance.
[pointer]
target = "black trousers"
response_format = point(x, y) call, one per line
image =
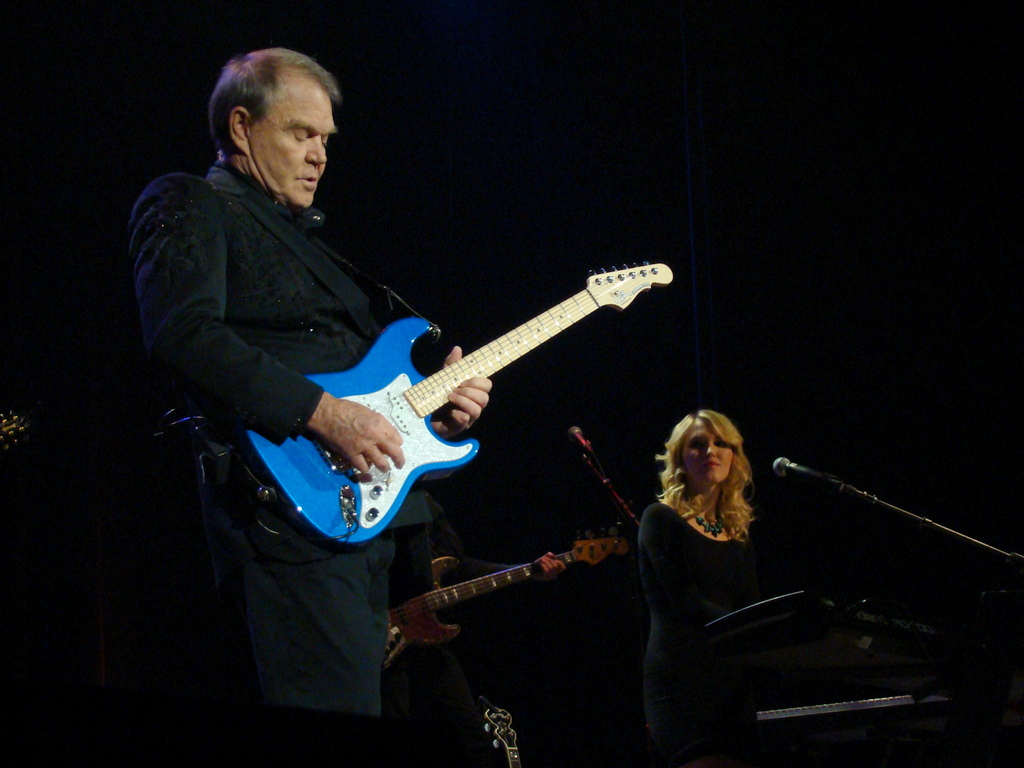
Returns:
point(319, 628)
point(427, 683)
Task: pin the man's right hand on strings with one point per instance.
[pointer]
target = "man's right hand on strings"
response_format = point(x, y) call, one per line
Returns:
point(363, 437)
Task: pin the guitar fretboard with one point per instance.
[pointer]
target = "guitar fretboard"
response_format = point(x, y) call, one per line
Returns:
point(431, 393)
point(443, 598)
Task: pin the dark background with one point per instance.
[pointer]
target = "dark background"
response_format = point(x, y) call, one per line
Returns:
point(836, 191)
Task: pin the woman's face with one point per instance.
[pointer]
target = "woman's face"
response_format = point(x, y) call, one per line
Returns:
point(707, 460)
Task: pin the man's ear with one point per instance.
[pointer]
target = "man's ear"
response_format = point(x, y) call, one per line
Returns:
point(239, 121)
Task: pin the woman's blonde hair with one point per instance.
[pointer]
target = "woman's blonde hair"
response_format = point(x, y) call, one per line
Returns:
point(734, 509)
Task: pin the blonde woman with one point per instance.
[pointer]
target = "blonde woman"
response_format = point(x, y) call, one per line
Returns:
point(697, 564)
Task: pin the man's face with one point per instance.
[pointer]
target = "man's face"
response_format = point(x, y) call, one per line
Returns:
point(287, 149)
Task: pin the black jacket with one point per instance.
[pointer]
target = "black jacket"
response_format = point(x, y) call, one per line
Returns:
point(238, 301)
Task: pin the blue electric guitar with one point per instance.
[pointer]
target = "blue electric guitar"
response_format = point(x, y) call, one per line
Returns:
point(320, 487)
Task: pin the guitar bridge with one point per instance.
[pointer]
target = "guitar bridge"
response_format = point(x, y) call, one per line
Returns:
point(347, 506)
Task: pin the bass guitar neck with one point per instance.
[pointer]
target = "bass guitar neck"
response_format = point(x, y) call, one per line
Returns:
point(415, 621)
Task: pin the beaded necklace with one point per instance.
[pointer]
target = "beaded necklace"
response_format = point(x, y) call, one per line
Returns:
point(714, 528)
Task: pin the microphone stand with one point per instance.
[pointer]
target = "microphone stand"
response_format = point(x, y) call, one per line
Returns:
point(991, 652)
point(924, 522)
point(589, 457)
point(621, 504)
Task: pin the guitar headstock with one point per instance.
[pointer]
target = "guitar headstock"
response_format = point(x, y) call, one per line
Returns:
point(593, 551)
point(13, 428)
point(618, 289)
point(499, 725)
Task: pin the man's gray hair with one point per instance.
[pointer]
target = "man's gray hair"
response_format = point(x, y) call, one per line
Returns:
point(251, 80)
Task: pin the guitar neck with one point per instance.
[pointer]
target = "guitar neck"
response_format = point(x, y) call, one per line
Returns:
point(13, 429)
point(431, 393)
point(512, 753)
point(448, 596)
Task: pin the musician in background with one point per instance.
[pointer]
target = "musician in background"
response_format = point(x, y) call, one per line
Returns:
point(239, 300)
point(426, 681)
point(697, 564)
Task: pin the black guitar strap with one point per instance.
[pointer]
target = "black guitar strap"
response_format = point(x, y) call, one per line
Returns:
point(319, 263)
point(389, 293)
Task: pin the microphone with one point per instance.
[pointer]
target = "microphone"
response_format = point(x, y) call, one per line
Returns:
point(576, 435)
point(785, 468)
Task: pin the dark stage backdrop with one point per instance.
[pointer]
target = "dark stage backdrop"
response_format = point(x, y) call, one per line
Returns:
point(835, 190)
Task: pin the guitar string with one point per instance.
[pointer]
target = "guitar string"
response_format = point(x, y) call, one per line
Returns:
point(433, 397)
point(468, 588)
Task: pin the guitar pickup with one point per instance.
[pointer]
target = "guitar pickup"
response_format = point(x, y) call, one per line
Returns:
point(334, 461)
